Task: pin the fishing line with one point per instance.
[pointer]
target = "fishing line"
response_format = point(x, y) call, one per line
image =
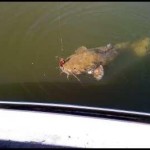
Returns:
point(59, 23)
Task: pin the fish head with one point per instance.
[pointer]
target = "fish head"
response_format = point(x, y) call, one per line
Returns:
point(63, 65)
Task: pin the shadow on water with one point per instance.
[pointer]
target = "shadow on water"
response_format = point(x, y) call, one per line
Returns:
point(118, 96)
point(128, 89)
point(125, 86)
point(126, 94)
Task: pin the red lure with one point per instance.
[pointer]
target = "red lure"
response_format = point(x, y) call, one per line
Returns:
point(61, 62)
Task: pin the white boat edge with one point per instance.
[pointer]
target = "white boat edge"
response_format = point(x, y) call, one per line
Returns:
point(71, 130)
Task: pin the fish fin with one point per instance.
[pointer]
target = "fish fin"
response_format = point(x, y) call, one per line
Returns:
point(81, 49)
point(99, 72)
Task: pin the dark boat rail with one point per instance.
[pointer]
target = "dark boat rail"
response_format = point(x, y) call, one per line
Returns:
point(78, 110)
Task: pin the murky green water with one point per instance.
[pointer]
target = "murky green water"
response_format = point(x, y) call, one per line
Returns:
point(34, 34)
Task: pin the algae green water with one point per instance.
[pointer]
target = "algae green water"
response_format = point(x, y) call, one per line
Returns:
point(34, 34)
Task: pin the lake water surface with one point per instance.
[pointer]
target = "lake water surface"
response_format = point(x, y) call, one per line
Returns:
point(34, 34)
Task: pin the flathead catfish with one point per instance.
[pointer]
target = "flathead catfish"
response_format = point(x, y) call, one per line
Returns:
point(89, 61)
point(92, 61)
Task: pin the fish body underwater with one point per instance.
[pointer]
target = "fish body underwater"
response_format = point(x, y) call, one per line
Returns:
point(89, 61)
point(92, 61)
